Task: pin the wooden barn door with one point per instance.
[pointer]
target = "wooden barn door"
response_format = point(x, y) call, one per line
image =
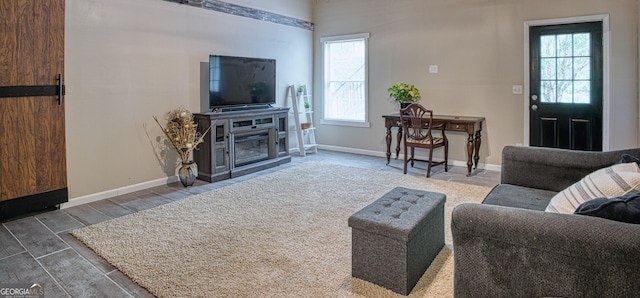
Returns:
point(33, 172)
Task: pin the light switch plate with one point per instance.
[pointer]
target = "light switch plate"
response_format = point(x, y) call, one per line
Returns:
point(433, 68)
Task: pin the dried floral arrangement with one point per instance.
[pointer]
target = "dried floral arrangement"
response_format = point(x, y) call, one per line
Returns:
point(181, 131)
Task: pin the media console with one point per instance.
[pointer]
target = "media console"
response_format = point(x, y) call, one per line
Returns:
point(241, 142)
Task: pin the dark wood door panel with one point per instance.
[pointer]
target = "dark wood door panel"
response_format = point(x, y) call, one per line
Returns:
point(49, 48)
point(581, 134)
point(32, 138)
point(32, 146)
point(33, 158)
point(32, 42)
point(18, 148)
point(548, 131)
point(51, 171)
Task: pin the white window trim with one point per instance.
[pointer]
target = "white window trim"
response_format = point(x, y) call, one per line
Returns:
point(347, 37)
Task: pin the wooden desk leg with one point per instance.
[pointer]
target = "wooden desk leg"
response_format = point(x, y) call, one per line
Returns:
point(398, 141)
point(470, 147)
point(478, 141)
point(388, 139)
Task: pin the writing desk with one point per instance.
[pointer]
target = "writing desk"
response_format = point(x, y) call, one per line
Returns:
point(471, 125)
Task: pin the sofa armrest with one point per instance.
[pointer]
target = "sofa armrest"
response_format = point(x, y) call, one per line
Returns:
point(553, 169)
point(511, 252)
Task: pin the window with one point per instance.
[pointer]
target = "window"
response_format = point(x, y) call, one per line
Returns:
point(344, 96)
point(565, 68)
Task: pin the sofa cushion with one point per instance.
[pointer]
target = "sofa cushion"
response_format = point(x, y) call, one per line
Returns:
point(610, 182)
point(625, 208)
point(627, 158)
point(519, 197)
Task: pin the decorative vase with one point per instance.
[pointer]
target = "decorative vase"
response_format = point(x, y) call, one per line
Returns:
point(188, 173)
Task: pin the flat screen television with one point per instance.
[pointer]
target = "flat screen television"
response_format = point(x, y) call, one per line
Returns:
point(241, 82)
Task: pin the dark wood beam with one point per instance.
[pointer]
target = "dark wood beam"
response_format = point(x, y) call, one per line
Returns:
point(247, 12)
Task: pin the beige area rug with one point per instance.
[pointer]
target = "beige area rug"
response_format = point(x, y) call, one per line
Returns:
point(283, 234)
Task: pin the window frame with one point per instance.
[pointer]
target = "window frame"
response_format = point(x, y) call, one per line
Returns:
point(345, 38)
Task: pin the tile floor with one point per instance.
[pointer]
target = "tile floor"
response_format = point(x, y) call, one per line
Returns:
point(40, 248)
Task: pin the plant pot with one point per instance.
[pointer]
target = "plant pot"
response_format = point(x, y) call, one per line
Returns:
point(402, 105)
point(188, 173)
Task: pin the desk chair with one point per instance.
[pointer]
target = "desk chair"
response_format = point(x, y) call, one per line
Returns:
point(417, 126)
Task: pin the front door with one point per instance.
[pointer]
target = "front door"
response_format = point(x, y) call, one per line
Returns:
point(32, 133)
point(565, 100)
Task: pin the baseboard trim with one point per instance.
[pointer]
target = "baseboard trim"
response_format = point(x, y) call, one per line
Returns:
point(117, 192)
point(457, 163)
point(164, 181)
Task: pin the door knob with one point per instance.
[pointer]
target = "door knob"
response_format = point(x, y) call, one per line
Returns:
point(534, 97)
point(534, 107)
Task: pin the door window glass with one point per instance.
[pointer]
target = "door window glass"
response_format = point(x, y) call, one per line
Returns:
point(565, 68)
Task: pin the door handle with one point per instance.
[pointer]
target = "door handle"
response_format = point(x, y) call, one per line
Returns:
point(60, 89)
point(534, 107)
point(534, 97)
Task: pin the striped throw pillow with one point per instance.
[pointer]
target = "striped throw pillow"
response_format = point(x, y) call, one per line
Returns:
point(611, 182)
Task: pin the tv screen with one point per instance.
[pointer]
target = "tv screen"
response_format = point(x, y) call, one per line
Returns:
point(241, 81)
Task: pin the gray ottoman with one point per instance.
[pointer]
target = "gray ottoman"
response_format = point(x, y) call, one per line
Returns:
point(395, 239)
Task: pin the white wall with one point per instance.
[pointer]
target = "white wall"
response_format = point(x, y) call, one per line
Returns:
point(126, 61)
point(479, 47)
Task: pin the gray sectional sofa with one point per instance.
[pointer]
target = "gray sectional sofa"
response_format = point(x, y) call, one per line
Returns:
point(509, 247)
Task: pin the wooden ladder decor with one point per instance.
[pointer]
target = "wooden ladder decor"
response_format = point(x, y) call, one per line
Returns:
point(303, 118)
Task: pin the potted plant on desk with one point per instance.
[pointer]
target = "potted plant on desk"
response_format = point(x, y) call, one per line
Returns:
point(404, 94)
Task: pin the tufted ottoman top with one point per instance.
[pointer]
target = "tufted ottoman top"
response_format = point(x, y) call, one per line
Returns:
point(399, 214)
